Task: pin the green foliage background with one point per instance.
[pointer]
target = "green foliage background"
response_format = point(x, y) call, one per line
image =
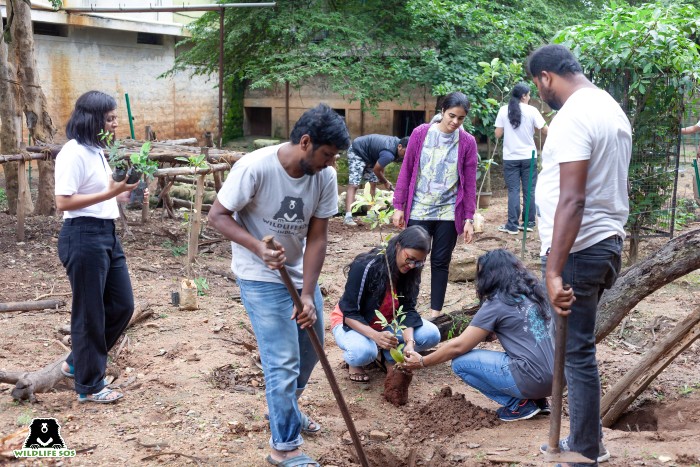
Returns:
point(374, 50)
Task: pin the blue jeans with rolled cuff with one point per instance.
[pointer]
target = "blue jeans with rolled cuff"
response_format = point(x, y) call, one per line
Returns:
point(103, 301)
point(589, 272)
point(359, 350)
point(286, 353)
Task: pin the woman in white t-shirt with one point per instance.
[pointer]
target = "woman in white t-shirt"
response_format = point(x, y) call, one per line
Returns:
point(516, 122)
point(89, 248)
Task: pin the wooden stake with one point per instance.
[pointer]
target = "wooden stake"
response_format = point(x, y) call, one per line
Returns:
point(195, 224)
point(31, 305)
point(21, 196)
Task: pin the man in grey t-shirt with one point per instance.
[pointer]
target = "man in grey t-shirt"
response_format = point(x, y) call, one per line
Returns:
point(289, 192)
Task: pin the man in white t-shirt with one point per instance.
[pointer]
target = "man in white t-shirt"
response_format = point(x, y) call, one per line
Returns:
point(582, 205)
point(516, 123)
point(288, 191)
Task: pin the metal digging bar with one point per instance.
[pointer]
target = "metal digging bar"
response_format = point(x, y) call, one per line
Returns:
point(554, 454)
point(313, 337)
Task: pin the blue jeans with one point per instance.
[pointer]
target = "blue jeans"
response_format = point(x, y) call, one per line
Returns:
point(489, 372)
point(516, 173)
point(286, 353)
point(589, 272)
point(359, 350)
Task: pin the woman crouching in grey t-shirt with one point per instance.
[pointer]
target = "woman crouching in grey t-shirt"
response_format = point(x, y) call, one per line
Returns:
point(514, 307)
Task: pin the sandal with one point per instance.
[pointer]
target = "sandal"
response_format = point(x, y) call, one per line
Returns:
point(358, 376)
point(71, 370)
point(295, 461)
point(102, 397)
point(306, 423)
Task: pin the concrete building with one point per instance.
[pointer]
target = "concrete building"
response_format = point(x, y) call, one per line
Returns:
point(122, 53)
point(273, 112)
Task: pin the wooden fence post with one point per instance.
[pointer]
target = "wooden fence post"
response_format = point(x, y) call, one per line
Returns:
point(196, 224)
point(21, 196)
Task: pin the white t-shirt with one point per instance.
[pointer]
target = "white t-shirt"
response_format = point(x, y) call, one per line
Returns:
point(266, 200)
point(518, 143)
point(84, 170)
point(590, 126)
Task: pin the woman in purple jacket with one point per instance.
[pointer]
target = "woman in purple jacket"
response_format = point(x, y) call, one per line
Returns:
point(436, 188)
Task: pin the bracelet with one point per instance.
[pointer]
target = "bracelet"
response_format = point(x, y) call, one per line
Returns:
point(412, 340)
point(421, 362)
point(471, 221)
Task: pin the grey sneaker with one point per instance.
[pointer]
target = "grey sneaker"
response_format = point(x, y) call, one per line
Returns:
point(502, 228)
point(530, 226)
point(603, 454)
point(349, 221)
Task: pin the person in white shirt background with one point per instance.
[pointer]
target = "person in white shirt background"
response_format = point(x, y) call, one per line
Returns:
point(88, 247)
point(516, 123)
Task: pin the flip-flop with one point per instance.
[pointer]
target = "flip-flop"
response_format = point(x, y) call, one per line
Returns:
point(305, 423)
point(101, 397)
point(301, 459)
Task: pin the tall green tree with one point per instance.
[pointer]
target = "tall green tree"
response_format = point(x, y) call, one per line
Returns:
point(375, 50)
point(647, 58)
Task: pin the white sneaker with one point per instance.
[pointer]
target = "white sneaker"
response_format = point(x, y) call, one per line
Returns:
point(349, 221)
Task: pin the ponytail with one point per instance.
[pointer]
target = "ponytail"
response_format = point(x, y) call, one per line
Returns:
point(514, 112)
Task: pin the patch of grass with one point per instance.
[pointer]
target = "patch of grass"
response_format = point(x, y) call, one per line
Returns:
point(25, 418)
point(202, 286)
point(176, 250)
point(3, 199)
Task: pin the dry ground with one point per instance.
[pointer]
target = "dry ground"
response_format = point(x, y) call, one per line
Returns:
point(193, 387)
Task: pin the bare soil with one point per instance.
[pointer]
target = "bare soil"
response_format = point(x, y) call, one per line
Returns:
point(193, 385)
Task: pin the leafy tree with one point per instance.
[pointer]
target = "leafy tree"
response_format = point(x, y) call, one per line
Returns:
point(374, 50)
point(646, 57)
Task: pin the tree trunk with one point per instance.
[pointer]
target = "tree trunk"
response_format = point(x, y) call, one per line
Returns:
point(635, 381)
point(29, 383)
point(33, 101)
point(10, 130)
point(675, 259)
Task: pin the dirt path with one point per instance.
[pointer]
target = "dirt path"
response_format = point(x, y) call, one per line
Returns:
point(193, 386)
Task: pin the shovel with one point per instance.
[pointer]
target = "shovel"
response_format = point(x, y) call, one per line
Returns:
point(313, 337)
point(554, 454)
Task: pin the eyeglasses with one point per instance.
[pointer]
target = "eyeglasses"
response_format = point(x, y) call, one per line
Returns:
point(414, 262)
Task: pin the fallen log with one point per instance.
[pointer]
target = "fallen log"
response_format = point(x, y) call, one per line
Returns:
point(183, 203)
point(455, 321)
point(31, 305)
point(675, 259)
point(618, 398)
point(29, 383)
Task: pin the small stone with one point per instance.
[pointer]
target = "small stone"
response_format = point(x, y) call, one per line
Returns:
point(458, 456)
point(473, 445)
point(376, 435)
point(346, 438)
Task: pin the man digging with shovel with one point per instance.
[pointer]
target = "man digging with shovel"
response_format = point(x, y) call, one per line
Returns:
point(582, 205)
point(285, 192)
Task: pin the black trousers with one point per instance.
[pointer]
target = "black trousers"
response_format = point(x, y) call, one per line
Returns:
point(444, 237)
point(103, 301)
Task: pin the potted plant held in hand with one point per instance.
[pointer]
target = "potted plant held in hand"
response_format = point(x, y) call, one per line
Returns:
point(141, 165)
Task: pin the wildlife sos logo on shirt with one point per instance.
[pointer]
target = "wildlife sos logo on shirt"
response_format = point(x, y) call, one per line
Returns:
point(289, 218)
point(44, 440)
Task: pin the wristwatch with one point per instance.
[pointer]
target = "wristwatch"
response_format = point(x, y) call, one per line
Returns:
point(471, 221)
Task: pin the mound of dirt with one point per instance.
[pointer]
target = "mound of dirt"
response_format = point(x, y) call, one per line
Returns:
point(448, 414)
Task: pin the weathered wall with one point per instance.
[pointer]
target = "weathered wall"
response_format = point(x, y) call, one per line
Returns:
point(113, 62)
point(381, 121)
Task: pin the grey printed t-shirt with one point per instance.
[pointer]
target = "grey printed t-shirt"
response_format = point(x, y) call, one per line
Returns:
point(527, 340)
point(267, 201)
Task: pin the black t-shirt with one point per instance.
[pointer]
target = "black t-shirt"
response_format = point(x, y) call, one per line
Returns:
point(376, 148)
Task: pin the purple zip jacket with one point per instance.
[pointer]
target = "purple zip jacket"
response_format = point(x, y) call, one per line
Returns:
point(466, 168)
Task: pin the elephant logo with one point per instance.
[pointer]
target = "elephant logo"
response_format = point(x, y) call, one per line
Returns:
point(291, 210)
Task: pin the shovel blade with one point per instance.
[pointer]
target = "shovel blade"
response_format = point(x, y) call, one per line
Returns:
point(567, 457)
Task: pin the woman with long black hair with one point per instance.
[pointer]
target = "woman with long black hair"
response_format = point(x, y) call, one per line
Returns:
point(355, 325)
point(88, 247)
point(515, 308)
point(516, 123)
point(436, 188)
